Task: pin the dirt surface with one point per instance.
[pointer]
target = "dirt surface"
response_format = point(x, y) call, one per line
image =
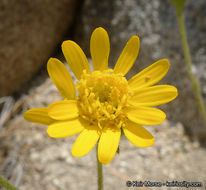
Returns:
point(34, 161)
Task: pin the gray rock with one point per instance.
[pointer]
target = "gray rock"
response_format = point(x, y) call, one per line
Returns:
point(29, 33)
point(156, 24)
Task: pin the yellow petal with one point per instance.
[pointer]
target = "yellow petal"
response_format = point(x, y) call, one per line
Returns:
point(138, 135)
point(63, 110)
point(128, 56)
point(38, 115)
point(85, 141)
point(75, 57)
point(61, 78)
point(99, 48)
point(146, 115)
point(61, 129)
point(108, 144)
point(149, 76)
point(153, 96)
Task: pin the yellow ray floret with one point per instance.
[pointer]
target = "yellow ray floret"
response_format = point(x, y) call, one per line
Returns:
point(146, 115)
point(99, 48)
point(153, 96)
point(38, 115)
point(61, 78)
point(151, 75)
point(128, 56)
point(138, 135)
point(86, 141)
point(108, 144)
point(75, 57)
point(63, 110)
point(66, 128)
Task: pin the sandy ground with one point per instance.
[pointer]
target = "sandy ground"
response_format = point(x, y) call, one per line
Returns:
point(34, 161)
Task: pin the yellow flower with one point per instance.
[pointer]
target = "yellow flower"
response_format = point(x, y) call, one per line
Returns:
point(103, 101)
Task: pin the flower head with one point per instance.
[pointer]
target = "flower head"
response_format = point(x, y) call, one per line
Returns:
point(104, 101)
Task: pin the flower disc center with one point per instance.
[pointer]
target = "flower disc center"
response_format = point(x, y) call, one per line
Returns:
point(102, 96)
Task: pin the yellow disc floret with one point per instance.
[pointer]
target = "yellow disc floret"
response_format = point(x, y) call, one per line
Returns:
point(102, 97)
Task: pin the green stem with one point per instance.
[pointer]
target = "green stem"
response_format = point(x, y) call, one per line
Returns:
point(99, 173)
point(194, 81)
point(6, 184)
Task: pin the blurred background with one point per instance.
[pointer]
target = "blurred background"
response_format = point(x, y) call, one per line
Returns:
point(32, 31)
